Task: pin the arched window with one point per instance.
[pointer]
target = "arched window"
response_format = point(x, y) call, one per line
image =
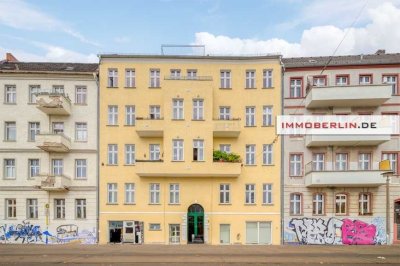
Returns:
point(195, 208)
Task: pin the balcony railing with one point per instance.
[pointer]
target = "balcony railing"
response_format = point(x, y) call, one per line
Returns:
point(149, 127)
point(329, 174)
point(345, 140)
point(53, 103)
point(52, 142)
point(53, 182)
point(226, 128)
point(191, 78)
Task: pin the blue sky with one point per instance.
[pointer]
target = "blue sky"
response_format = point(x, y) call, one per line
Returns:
point(50, 30)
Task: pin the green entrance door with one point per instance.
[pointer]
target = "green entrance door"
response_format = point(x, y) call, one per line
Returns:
point(195, 224)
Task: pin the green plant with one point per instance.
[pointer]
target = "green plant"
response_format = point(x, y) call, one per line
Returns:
point(222, 156)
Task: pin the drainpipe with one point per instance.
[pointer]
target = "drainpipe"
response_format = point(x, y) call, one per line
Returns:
point(282, 154)
point(96, 78)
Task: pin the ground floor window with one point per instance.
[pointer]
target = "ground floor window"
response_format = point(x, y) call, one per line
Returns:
point(126, 232)
point(258, 232)
point(224, 233)
point(174, 233)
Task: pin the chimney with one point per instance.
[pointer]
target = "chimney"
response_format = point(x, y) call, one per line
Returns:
point(11, 58)
point(380, 51)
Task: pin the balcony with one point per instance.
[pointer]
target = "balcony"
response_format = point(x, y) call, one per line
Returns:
point(53, 103)
point(345, 140)
point(187, 169)
point(53, 183)
point(191, 78)
point(226, 128)
point(352, 177)
point(53, 142)
point(348, 96)
point(149, 128)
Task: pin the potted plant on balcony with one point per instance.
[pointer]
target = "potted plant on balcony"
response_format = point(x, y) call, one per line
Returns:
point(222, 156)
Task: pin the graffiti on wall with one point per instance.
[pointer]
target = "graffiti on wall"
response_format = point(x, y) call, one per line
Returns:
point(26, 233)
point(335, 231)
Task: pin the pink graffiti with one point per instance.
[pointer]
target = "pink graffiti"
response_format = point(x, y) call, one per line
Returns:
point(358, 233)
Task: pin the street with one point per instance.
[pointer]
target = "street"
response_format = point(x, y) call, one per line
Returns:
point(71, 254)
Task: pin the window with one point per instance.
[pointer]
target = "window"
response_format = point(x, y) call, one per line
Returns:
point(34, 129)
point(32, 209)
point(177, 109)
point(267, 78)
point(224, 113)
point(191, 73)
point(154, 227)
point(173, 193)
point(258, 233)
point(318, 161)
point(112, 78)
point(155, 112)
point(342, 80)
point(81, 131)
point(174, 233)
point(319, 81)
point(10, 131)
point(198, 109)
point(33, 90)
point(80, 95)
point(58, 89)
point(154, 193)
point(224, 193)
point(392, 80)
point(80, 168)
point(392, 157)
point(154, 78)
point(296, 86)
point(130, 115)
point(112, 154)
point(10, 94)
point(175, 73)
point(57, 166)
point(112, 193)
point(58, 127)
point(296, 204)
point(364, 161)
point(365, 79)
point(11, 208)
point(250, 154)
point(177, 150)
point(9, 168)
point(129, 78)
point(198, 150)
point(267, 154)
point(59, 208)
point(341, 162)
point(250, 79)
point(250, 194)
point(296, 162)
point(267, 115)
point(225, 79)
point(364, 204)
point(154, 152)
point(250, 116)
point(341, 204)
point(34, 167)
point(225, 147)
point(129, 193)
point(129, 154)
point(318, 204)
point(267, 193)
point(80, 208)
point(113, 115)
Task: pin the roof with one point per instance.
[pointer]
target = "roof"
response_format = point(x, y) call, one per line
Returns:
point(47, 67)
point(212, 57)
point(347, 60)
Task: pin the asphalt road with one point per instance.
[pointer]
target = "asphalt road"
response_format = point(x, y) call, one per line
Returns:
point(72, 254)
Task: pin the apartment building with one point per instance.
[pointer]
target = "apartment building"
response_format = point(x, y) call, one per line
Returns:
point(334, 192)
point(188, 150)
point(48, 152)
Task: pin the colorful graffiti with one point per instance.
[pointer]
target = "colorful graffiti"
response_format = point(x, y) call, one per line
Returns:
point(26, 233)
point(318, 231)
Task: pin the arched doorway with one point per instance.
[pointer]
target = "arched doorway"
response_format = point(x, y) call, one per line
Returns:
point(195, 224)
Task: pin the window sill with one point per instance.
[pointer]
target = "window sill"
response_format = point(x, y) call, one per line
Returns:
point(296, 176)
point(198, 161)
point(115, 87)
point(80, 104)
point(80, 179)
point(177, 161)
point(250, 126)
point(80, 141)
point(108, 203)
point(111, 164)
point(268, 165)
point(250, 88)
point(129, 203)
point(10, 103)
point(295, 214)
point(268, 88)
point(33, 219)
point(366, 214)
point(9, 140)
point(130, 87)
point(6, 218)
point(198, 120)
point(112, 125)
point(155, 204)
point(31, 103)
point(130, 164)
point(59, 219)
point(174, 204)
point(319, 215)
point(80, 219)
point(250, 204)
point(155, 230)
point(225, 204)
point(178, 119)
point(341, 214)
point(5, 178)
point(225, 88)
point(250, 165)
point(267, 204)
point(129, 125)
point(154, 87)
point(268, 126)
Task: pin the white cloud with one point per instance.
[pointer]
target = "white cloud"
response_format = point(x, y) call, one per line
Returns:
point(379, 32)
point(21, 15)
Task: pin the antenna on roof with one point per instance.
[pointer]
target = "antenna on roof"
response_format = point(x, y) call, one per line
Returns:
point(179, 49)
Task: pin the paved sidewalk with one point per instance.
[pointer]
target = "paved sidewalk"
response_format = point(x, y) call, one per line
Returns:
point(72, 254)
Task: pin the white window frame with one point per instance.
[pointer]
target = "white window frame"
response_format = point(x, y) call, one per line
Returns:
point(154, 193)
point(59, 205)
point(81, 168)
point(130, 154)
point(191, 73)
point(341, 161)
point(58, 127)
point(267, 194)
point(250, 154)
point(364, 198)
point(174, 193)
point(81, 133)
point(81, 95)
point(10, 94)
point(341, 199)
point(130, 115)
point(250, 194)
point(177, 150)
point(250, 116)
point(225, 78)
point(34, 129)
point(319, 81)
point(175, 73)
point(33, 90)
point(296, 164)
point(113, 115)
point(112, 78)
point(365, 79)
point(33, 168)
point(267, 115)
point(267, 154)
point(80, 209)
point(225, 147)
point(129, 193)
point(224, 113)
point(318, 204)
point(342, 80)
point(393, 159)
point(250, 79)
point(318, 161)
point(364, 159)
point(58, 89)
point(267, 78)
point(9, 168)
point(155, 78)
point(198, 144)
point(112, 193)
point(11, 208)
point(178, 109)
point(224, 193)
point(154, 152)
point(112, 154)
point(130, 78)
point(198, 109)
point(296, 202)
point(295, 88)
point(32, 207)
point(10, 128)
point(392, 80)
point(155, 112)
point(57, 167)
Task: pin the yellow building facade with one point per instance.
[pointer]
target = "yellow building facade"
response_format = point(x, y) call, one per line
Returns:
point(163, 121)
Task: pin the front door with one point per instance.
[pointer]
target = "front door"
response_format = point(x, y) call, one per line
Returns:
point(195, 224)
point(174, 233)
point(224, 233)
point(397, 220)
